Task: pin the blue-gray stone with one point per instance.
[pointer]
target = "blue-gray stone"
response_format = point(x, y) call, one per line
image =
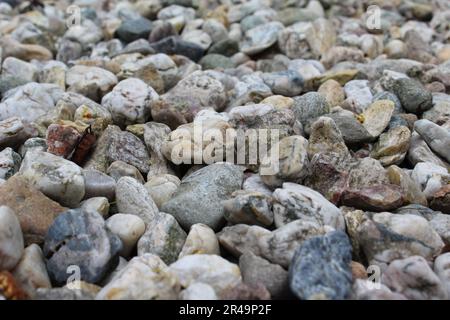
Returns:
point(413, 95)
point(131, 30)
point(386, 95)
point(320, 268)
point(79, 238)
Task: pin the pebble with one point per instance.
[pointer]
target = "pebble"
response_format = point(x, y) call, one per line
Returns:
point(325, 137)
point(145, 277)
point(413, 278)
point(133, 198)
point(216, 182)
point(162, 187)
point(96, 204)
point(287, 83)
point(163, 237)
point(260, 38)
point(377, 116)
point(129, 228)
point(413, 96)
point(201, 239)
point(209, 269)
point(98, 184)
point(119, 169)
point(320, 268)
point(198, 291)
point(249, 207)
point(308, 107)
point(34, 210)
point(392, 146)
point(9, 163)
point(435, 136)
point(94, 255)
point(441, 269)
point(11, 239)
point(131, 30)
point(58, 178)
point(295, 201)
point(31, 272)
point(14, 132)
point(333, 92)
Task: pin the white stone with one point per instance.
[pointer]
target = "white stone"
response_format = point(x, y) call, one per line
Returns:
point(129, 228)
point(198, 291)
point(162, 187)
point(201, 239)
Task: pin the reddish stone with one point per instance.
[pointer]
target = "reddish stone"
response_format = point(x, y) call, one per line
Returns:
point(62, 140)
point(9, 287)
point(384, 197)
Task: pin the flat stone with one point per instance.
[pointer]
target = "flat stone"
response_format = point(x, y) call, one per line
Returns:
point(392, 146)
point(377, 116)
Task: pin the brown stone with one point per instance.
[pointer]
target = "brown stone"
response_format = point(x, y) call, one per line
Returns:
point(374, 198)
point(247, 292)
point(358, 271)
point(61, 139)
point(441, 200)
point(35, 211)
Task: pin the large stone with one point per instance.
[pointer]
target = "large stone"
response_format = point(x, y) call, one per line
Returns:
point(80, 238)
point(34, 210)
point(413, 96)
point(58, 178)
point(198, 199)
point(321, 269)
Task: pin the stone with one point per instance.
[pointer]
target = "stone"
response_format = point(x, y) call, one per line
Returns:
point(174, 45)
point(199, 37)
point(381, 245)
point(377, 116)
point(18, 68)
point(375, 198)
point(119, 169)
point(209, 269)
point(59, 179)
point(30, 272)
point(249, 207)
point(144, 278)
point(216, 182)
point(358, 271)
point(216, 61)
point(80, 238)
point(163, 237)
point(430, 177)
point(129, 228)
point(325, 137)
point(333, 92)
point(96, 204)
point(412, 192)
point(308, 107)
point(243, 291)
point(441, 269)
point(292, 164)
point(98, 184)
point(86, 33)
point(320, 268)
point(63, 293)
point(353, 132)
point(189, 96)
point(392, 146)
point(130, 101)
point(14, 132)
point(260, 38)
point(125, 146)
point(413, 278)
point(131, 30)
point(256, 270)
point(11, 239)
point(201, 239)
point(30, 102)
point(413, 96)
point(367, 172)
point(155, 137)
point(162, 187)
point(386, 95)
point(368, 290)
point(419, 151)
point(198, 291)
point(92, 82)
point(34, 210)
point(441, 200)
point(240, 238)
point(299, 202)
point(9, 163)
point(287, 83)
point(435, 136)
point(359, 95)
point(26, 52)
point(132, 198)
point(61, 140)
point(227, 47)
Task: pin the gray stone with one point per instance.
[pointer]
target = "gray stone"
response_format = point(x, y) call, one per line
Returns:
point(131, 30)
point(119, 169)
point(11, 239)
point(98, 184)
point(435, 136)
point(308, 107)
point(198, 199)
point(80, 238)
point(287, 83)
point(413, 96)
point(9, 163)
point(260, 37)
